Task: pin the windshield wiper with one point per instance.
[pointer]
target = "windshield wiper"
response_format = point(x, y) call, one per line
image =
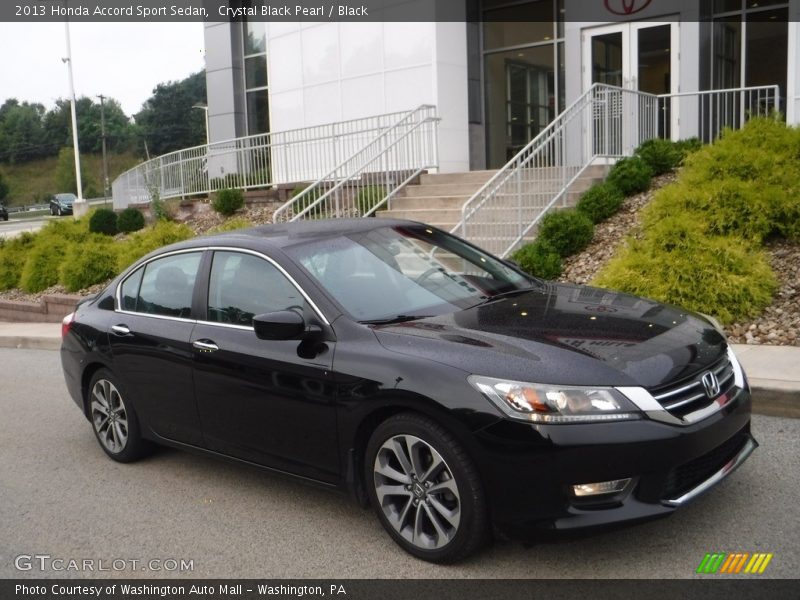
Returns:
point(506, 294)
point(397, 319)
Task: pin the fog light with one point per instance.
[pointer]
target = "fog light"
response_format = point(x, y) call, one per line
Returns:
point(603, 487)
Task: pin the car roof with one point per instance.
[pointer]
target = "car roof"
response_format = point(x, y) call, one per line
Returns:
point(282, 235)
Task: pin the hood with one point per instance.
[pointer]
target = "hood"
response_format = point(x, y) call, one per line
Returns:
point(565, 334)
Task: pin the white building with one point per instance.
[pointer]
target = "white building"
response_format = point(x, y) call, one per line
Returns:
point(499, 82)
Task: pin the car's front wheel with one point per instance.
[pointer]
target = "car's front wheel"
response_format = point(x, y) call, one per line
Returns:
point(425, 489)
point(114, 420)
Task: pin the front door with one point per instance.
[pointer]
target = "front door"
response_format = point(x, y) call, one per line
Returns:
point(266, 401)
point(641, 57)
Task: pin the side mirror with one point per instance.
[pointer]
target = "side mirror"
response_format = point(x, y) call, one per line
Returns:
point(280, 325)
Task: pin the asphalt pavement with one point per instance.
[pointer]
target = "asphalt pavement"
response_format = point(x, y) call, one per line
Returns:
point(61, 496)
point(13, 227)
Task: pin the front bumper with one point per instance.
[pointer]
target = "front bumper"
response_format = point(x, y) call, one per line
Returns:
point(529, 470)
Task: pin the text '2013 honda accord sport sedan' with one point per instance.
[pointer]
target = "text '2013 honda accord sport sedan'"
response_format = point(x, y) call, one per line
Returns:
point(453, 393)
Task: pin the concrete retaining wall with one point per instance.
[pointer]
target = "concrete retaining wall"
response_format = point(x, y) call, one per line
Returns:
point(50, 309)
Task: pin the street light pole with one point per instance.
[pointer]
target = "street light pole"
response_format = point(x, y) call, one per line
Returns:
point(204, 108)
point(79, 206)
point(103, 135)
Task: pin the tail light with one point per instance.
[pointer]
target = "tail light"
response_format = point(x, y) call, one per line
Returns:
point(66, 324)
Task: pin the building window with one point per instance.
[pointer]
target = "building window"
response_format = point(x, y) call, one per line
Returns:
point(256, 81)
point(750, 40)
point(523, 72)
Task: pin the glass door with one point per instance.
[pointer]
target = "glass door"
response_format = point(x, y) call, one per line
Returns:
point(639, 56)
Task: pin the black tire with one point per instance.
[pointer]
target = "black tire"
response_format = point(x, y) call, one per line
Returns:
point(58, 211)
point(455, 498)
point(105, 388)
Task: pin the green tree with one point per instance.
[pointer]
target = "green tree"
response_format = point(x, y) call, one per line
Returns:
point(65, 171)
point(22, 136)
point(167, 121)
point(119, 130)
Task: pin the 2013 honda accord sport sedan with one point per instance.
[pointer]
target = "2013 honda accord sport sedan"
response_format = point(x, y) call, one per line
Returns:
point(455, 394)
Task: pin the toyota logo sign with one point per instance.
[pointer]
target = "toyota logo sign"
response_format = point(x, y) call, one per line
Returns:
point(626, 7)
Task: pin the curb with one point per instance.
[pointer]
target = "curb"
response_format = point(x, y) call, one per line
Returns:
point(776, 402)
point(30, 343)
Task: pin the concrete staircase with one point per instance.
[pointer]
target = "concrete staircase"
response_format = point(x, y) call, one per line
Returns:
point(438, 198)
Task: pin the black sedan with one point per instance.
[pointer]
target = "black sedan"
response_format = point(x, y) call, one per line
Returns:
point(61, 204)
point(422, 375)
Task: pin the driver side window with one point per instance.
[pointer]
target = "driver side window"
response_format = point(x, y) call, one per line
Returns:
point(243, 286)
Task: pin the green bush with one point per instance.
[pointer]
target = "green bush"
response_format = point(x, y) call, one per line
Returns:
point(369, 197)
point(228, 201)
point(158, 208)
point(41, 266)
point(631, 175)
point(87, 264)
point(103, 220)
point(662, 156)
point(130, 220)
point(145, 241)
point(687, 147)
point(701, 238)
point(600, 202)
point(566, 231)
point(718, 275)
point(302, 203)
point(539, 259)
point(13, 254)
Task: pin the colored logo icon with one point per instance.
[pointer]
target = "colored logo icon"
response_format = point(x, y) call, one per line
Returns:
point(735, 563)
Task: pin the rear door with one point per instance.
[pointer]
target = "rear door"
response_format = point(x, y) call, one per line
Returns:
point(266, 401)
point(150, 339)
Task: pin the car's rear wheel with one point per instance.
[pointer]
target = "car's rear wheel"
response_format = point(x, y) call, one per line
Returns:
point(114, 420)
point(425, 490)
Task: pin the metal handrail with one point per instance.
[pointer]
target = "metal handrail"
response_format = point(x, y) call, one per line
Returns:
point(367, 180)
point(603, 124)
point(256, 161)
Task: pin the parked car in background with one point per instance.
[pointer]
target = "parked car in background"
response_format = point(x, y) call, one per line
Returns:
point(424, 376)
point(61, 204)
point(3, 213)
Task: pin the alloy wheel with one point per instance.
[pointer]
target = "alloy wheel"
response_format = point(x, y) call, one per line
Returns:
point(109, 417)
point(417, 492)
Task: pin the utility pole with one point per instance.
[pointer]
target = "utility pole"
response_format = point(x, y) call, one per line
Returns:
point(79, 206)
point(103, 134)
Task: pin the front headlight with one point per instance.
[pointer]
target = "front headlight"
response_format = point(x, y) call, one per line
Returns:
point(539, 403)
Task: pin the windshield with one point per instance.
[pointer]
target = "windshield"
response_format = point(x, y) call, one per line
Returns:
point(407, 271)
point(66, 197)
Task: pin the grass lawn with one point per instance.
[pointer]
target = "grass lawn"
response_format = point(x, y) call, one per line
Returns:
point(32, 182)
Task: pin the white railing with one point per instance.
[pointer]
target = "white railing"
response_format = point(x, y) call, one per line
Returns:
point(706, 114)
point(367, 179)
point(257, 161)
point(603, 124)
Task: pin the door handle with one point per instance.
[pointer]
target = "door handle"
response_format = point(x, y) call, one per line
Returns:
point(121, 329)
point(205, 346)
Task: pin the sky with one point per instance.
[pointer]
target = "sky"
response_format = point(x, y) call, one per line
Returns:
point(124, 61)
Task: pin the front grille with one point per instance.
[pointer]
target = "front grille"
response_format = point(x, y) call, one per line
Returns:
point(689, 475)
point(687, 396)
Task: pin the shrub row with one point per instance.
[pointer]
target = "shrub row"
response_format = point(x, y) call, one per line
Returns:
point(701, 240)
point(566, 232)
point(70, 253)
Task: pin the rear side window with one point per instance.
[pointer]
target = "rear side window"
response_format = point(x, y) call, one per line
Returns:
point(167, 286)
point(243, 286)
point(130, 290)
